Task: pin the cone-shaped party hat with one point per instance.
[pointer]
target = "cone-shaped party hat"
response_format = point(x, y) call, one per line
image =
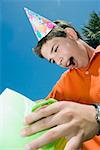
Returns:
point(40, 25)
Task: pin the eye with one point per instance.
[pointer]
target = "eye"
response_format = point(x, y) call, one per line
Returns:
point(56, 49)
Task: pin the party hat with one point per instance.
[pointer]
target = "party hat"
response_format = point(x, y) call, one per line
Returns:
point(40, 25)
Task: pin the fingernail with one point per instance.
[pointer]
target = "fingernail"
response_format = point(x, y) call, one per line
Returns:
point(27, 147)
point(23, 133)
point(24, 122)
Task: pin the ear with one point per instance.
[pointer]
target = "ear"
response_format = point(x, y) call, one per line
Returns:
point(71, 32)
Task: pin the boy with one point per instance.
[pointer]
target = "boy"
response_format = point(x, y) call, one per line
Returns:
point(61, 44)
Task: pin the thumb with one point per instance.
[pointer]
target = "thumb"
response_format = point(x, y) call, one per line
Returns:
point(74, 143)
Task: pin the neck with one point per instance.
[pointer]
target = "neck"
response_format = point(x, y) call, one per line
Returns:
point(90, 50)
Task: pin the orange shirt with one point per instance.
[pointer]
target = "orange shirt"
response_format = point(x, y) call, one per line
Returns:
point(82, 86)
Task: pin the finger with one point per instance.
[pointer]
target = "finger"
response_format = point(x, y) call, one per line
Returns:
point(46, 123)
point(80, 148)
point(40, 125)
point(40, 100)
point(50, 136)
point(75, 142)
point(49, 110)
point(41, 108)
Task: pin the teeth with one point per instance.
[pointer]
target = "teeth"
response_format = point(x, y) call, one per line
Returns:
point(68, 62)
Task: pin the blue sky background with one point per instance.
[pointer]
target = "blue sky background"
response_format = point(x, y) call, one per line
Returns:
point(20, 70)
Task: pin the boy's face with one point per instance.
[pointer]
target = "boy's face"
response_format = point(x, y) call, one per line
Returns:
point(65, 52)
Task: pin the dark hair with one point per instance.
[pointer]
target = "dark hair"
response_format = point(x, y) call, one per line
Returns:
point(58, 31)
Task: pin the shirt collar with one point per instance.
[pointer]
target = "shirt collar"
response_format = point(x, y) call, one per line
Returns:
point(97, 49)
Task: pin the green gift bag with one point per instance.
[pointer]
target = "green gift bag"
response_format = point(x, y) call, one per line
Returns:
point(13, 108)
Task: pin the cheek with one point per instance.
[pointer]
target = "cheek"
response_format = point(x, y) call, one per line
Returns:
point(83, 57)
point(63, 52)
point(82, 60)
point(68, 51)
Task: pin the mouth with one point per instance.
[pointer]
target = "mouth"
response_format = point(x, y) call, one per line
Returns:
point(71, 63)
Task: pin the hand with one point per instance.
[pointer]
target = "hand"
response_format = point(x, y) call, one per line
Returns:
point(74, 121)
